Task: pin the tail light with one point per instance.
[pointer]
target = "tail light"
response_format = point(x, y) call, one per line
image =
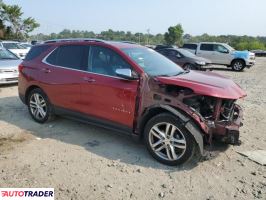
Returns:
point(20, 68)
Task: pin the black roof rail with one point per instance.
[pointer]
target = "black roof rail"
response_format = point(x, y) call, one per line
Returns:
point(74, 39)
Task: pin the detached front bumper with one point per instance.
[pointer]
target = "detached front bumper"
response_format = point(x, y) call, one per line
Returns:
point(228, 131)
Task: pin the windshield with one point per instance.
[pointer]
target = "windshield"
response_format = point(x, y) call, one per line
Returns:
point(5, 54)
point(13, 46)
point(229, 47)
point(153, 63)
point(186, 53)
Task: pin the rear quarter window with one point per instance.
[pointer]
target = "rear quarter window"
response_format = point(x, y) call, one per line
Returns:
point(36, 51)
point(69, 56)
point(190, 46)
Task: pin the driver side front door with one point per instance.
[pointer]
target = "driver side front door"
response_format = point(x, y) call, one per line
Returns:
point(104, 95)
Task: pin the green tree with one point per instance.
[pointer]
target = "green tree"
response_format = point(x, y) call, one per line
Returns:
point(174, 35)
point(14, 26)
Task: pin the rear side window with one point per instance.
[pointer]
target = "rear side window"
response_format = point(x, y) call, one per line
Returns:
point(70, 56)
point(35, 52)
point(190, 46)
point(206, 47)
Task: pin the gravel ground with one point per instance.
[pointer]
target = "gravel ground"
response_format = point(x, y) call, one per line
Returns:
point(86, 162)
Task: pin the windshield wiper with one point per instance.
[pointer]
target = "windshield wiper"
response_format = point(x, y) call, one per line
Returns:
point(183, 72)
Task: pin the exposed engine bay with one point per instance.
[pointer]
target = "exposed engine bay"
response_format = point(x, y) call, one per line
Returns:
point(206, 106)
point(210, 108)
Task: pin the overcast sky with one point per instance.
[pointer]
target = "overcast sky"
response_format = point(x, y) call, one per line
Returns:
point(215, 17)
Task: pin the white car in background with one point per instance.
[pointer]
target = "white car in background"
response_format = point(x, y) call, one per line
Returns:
point(9, 63)
point(26, 45)
point(15, 47)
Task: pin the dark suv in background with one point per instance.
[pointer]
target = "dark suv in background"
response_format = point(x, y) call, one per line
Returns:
point(185, 59)
point(131, 89)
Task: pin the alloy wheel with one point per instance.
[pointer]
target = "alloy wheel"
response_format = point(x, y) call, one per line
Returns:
point(38, 106)
point(238, 66)
point(167, 141)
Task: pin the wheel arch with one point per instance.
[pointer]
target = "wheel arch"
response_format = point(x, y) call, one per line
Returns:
point(189, 123)
point(29, 89)
point(241, 59)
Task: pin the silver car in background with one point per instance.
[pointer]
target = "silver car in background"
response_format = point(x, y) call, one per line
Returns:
point(15, 47)
point(9, 63)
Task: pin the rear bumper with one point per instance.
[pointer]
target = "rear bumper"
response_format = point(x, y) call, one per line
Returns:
point(228, 131)
point(22, 98)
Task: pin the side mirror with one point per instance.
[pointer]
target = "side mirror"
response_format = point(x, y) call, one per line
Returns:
point(224, 51)
point(125, 73)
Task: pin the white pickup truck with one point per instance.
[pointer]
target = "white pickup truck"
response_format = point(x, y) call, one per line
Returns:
point(222, 54)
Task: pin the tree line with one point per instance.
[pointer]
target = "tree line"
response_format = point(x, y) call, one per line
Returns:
point(172, 37)
point(14, 27)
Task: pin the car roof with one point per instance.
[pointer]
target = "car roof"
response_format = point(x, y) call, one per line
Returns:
point(117, 44)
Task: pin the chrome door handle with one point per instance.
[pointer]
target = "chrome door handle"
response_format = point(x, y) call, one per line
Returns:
point(88, 79)
point(46, 70)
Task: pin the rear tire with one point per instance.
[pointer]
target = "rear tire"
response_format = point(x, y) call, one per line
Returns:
point(238, 65)
point(39, 106)
point(168, 141)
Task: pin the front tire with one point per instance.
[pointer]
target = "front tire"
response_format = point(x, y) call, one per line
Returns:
point(190, 66)
point(168, 141)
point(238, 65)
point(39, 106)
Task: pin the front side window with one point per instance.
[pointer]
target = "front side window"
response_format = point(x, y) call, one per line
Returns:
point(152, 62)
point(69, 56)
point(206, 47)
point(172, 53)
point(106, 61)
point(220, 48)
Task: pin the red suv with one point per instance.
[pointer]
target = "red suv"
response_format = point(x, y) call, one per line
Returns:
point(134, 90)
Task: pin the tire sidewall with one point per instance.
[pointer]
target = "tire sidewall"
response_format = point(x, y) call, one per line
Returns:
point(49, 109)
point(238, 61)
point(190, 142)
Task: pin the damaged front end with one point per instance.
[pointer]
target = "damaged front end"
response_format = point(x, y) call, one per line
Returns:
point(222, 117)
point(208, 99)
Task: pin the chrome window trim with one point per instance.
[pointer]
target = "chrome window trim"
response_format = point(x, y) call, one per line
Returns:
point(58, 66)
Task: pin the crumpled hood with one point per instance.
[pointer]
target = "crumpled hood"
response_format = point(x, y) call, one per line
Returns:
point(9, 64)
point(206, 83)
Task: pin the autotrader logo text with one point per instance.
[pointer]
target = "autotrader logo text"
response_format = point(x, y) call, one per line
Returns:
point(27, 193)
